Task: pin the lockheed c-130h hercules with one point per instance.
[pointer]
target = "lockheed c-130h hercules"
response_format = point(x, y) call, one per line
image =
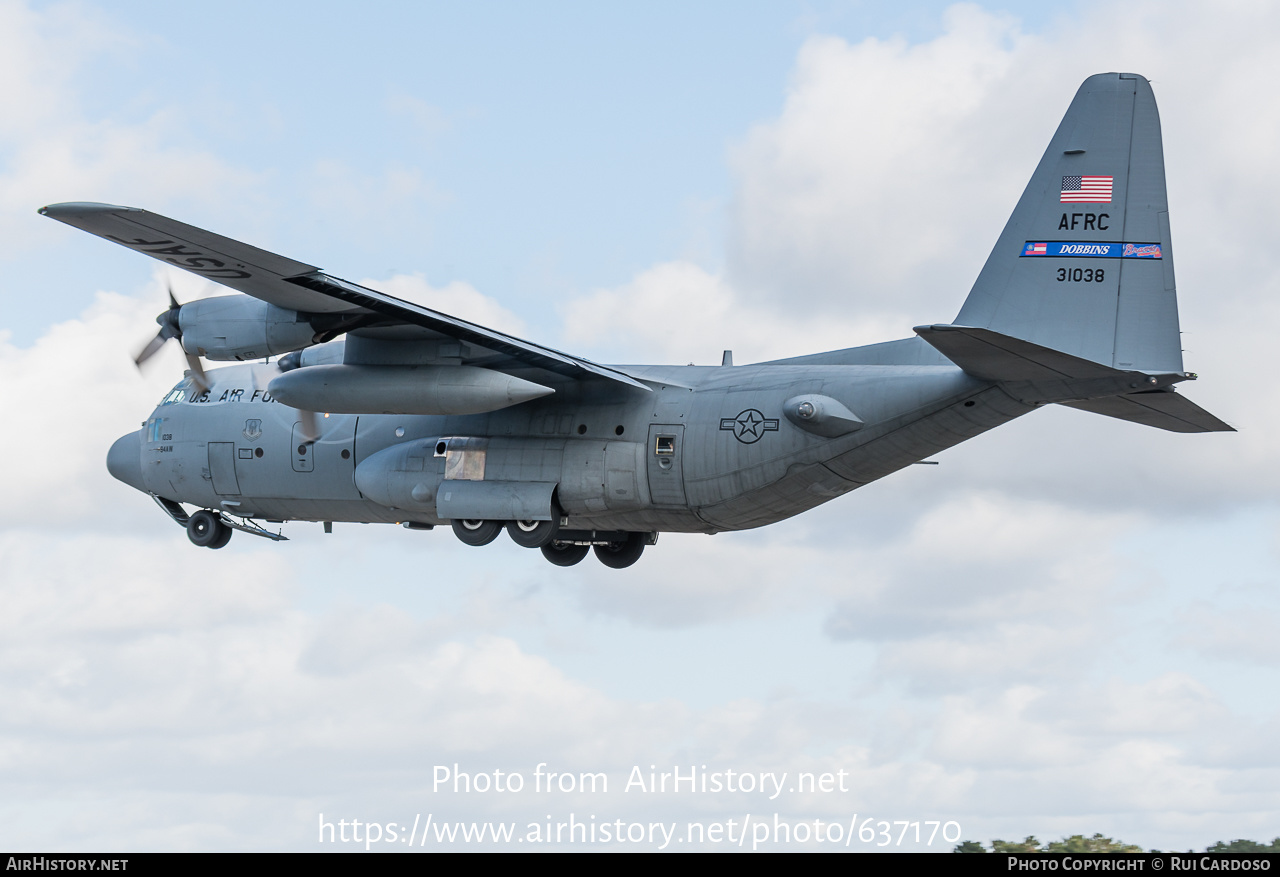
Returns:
point(380, 410)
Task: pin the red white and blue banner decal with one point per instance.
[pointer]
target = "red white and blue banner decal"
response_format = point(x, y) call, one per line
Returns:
point(1092, 250)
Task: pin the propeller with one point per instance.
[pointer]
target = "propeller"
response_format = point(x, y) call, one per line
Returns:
point(310, 425)
point(170, 327)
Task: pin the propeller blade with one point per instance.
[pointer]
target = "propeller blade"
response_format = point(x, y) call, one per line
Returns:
point(310, 425)
point(170, 327)
point(196, 369)
point(150, 350)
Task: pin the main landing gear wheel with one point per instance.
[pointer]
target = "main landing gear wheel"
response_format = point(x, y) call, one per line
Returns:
point(206, 529)
point(564, 553)
point(620, 555)
point(476, 532)
point(533, 534)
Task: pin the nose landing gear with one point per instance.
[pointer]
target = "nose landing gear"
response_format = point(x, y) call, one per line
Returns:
point(209, 529)
point(206, 530)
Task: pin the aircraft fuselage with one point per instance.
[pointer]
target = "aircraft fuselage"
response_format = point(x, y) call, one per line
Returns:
point(709, 449)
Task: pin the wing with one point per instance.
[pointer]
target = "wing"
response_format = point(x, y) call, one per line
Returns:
point(337, 304)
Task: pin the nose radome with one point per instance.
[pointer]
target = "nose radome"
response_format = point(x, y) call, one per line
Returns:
point(124, 460)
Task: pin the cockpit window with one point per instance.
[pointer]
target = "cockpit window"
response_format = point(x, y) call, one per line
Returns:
point(177, 394)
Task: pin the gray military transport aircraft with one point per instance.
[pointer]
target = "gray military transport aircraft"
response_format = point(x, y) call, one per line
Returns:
point(381, 410)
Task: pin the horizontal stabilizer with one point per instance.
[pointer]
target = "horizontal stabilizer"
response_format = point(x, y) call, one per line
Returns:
point(990, 356)
point(1035, 374)
point(1161, 409)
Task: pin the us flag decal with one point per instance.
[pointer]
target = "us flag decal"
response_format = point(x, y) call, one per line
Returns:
point(1086, 190)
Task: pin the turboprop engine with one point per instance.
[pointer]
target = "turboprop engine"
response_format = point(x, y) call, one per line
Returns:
point(237, 327)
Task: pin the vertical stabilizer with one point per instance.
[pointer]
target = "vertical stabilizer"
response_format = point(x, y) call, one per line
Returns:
point(1084, 264)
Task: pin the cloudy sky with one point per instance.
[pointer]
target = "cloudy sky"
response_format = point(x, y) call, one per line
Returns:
point(1066, 627)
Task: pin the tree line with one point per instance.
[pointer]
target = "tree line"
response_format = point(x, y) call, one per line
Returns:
point(1078, 843)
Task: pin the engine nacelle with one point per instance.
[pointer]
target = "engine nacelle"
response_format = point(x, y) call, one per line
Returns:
point(238, 327)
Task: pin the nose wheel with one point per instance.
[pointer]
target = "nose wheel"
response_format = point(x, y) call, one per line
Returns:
point(206, 530)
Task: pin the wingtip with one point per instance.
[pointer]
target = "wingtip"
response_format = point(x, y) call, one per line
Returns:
point(941, 327)
point(82, 208)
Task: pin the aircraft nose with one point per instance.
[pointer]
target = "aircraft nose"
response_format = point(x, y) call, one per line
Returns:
point(124, 460)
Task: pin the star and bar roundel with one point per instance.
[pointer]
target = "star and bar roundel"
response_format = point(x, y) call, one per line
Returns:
point(749, 426)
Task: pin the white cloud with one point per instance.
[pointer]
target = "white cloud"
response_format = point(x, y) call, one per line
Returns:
point(69, 396)
point(677, 312)
point(1234, 635)
point(56, 149)
point(881, 184)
